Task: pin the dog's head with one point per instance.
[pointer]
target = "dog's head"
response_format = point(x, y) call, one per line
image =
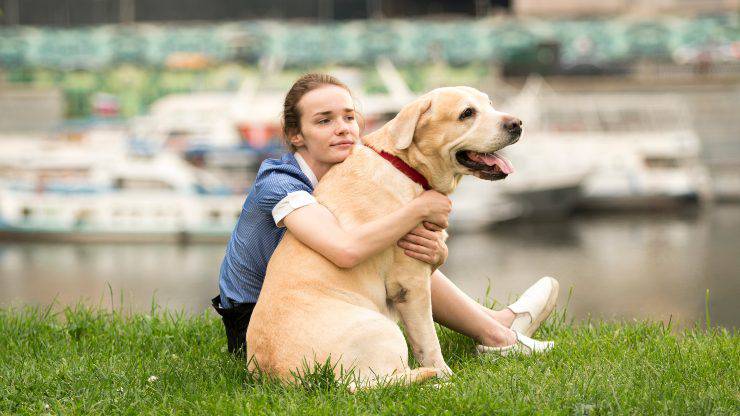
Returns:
point(454, 131)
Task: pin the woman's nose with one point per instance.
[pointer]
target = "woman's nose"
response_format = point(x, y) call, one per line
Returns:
point(342, 128)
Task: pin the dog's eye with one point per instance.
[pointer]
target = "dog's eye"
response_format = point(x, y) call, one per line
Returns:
point(468, 112)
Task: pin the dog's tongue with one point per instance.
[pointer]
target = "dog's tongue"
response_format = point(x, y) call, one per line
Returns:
point(492, 159)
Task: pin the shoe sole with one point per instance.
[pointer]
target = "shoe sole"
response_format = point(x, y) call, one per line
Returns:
point(546, 311)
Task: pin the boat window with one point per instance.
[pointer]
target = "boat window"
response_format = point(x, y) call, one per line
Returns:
point(607, 114)
point(200, 189)
point(83, 218)
point(558, 120)
point(141, 184)
point(662, 162)
point(623, 119)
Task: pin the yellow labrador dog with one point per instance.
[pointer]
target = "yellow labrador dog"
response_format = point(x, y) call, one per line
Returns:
point(311, 311)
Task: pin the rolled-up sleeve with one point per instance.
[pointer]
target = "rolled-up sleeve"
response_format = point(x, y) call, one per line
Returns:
point(290, 203)
point(279, 193)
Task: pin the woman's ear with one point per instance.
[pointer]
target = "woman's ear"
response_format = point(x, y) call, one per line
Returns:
point(403, 126)
point(297, 140)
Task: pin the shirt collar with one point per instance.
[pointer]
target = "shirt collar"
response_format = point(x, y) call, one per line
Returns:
point(306, 169)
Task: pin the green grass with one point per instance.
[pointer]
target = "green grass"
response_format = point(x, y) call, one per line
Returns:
point(92, 361)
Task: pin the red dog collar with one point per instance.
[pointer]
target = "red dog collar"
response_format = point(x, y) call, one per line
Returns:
point(407, 170)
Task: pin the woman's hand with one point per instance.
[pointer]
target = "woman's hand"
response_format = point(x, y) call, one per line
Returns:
point(425, 245)
point(435, 208)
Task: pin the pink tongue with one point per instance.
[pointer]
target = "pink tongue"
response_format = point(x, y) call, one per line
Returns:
point(492, 159)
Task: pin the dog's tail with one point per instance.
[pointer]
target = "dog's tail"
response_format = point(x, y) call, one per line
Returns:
point(404, 378)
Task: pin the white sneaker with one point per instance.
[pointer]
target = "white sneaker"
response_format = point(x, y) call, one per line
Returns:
point(535, 305)
point(523, 345)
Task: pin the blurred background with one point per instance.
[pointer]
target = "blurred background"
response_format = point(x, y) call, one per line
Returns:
point(131, 130)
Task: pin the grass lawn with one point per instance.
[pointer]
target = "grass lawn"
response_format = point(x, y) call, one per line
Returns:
point(92, 361)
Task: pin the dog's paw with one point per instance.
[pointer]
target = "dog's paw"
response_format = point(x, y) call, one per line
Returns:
point(444, 371)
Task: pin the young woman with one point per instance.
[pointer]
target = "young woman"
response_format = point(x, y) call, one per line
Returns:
point(320, 126)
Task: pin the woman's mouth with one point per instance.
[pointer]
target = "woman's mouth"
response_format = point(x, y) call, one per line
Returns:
point(343, 143)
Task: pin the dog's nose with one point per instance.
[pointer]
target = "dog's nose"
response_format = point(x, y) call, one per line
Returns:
point(512, 124)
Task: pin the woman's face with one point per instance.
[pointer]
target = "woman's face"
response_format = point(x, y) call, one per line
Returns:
point(329, 127)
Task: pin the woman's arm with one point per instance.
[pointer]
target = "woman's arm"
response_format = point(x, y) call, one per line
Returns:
point(315, 226)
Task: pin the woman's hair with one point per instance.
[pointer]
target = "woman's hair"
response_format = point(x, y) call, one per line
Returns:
point(291, 119)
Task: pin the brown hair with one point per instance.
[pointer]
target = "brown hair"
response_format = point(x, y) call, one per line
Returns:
point(291, 118)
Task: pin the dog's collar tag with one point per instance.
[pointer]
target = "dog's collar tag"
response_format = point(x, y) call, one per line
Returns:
point(407, 170)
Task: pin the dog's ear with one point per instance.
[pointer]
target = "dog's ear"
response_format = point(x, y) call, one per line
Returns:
point(403, 126)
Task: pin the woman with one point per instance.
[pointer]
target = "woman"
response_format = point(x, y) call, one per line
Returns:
point(320, 127)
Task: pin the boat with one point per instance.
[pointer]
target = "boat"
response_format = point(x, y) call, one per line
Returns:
point(630, 150)
point(74, 192)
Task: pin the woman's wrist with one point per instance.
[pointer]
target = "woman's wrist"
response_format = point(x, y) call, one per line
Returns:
point(419, 210)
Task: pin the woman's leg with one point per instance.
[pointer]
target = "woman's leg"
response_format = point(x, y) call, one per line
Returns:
point(454, 309)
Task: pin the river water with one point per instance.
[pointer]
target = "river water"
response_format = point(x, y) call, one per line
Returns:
point(624, 266)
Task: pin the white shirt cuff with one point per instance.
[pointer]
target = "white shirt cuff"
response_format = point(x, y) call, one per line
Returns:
point(290, 203)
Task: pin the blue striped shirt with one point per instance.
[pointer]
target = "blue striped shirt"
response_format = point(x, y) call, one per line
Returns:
point(255, 235)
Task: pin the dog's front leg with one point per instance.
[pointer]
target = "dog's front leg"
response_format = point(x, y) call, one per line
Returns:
point(412, 298)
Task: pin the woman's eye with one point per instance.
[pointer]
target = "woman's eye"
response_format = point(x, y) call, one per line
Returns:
point(468, 112)
point(350, 118)
point(324, 121)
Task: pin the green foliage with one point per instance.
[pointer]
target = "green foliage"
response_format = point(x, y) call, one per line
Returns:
point(89, 361)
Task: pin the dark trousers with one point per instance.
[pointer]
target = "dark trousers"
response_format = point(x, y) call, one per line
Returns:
point(236, 321)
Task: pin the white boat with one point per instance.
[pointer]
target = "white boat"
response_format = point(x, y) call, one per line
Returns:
point(72, 192)
point(631, 149)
